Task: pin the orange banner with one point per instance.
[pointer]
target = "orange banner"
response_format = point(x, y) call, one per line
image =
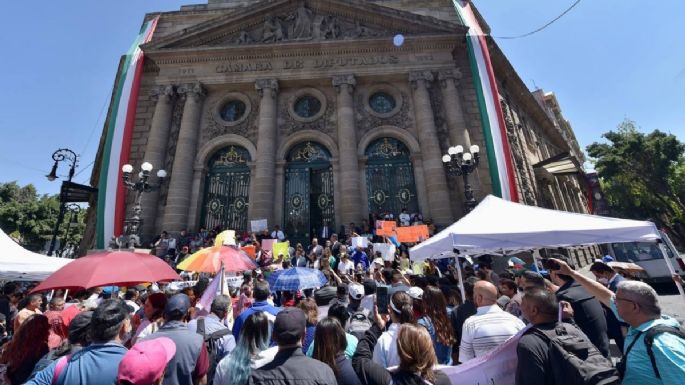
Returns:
point(385, 228)
point(250, 250)
point(406, 234)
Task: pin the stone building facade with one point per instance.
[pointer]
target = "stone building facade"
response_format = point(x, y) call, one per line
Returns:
point(310, 112)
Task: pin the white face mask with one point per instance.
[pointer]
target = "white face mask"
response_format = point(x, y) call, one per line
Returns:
point(603, 281)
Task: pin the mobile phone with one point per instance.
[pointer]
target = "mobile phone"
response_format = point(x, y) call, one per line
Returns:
point(382, 299)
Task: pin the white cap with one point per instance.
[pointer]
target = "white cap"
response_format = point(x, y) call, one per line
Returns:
point(415, 292)
point(356, 291)
point(378, 261)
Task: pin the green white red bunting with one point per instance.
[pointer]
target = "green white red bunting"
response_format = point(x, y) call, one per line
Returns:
point(111, 191)
point(494, 129)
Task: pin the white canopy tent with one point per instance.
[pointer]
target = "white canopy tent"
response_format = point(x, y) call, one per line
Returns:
point(497, 226)
point(19, 264)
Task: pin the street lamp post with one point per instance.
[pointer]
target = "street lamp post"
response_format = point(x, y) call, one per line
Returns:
point(74, 210)
point(460, 163)
point(142, 185)
point(63, 154)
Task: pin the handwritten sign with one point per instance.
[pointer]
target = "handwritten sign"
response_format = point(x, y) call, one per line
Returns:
point(258, 225)
point(268, 244)
point(385, 228)
point(281, 248)
point(360, 242)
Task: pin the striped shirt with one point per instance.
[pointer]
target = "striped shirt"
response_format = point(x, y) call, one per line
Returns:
point(488, 329)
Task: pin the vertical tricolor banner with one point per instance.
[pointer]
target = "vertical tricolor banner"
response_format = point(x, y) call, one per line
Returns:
point(115, 153)
point(494, 129)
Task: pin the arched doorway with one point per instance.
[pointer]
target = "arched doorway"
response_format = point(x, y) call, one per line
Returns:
point(308, 204)
point(227, 186)
point(390, 177)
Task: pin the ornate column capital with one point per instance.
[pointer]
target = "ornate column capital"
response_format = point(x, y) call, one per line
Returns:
point(164, 92)
point(194, 90)
point(423, 76)
point(340, 80)
point(267, 84)
point(449, 73)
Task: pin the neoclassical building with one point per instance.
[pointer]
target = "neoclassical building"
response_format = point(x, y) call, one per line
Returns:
point(313, 112)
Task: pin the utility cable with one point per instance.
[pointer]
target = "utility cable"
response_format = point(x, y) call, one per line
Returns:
point(543, 27)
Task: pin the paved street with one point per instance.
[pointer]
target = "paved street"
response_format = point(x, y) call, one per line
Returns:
point(671, 302)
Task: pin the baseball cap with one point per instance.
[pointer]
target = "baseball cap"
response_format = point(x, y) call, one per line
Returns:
point(146, 361)
point(79, 327)
point(178, 304)
point(378, 261)
point(415, 292)
point(289, 325)
point(370, 287)
point(356, 291)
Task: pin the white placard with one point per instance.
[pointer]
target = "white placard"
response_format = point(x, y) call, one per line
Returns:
point(258, 225)
point(387, 250)
point(360, 242)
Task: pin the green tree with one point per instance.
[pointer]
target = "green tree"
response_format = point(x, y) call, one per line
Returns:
point(26, 214)
point(643, 176)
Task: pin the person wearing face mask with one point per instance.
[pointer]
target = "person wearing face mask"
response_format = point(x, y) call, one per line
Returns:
point(609, 278)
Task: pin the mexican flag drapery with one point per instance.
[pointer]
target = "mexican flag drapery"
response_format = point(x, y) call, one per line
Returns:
point(494, 129)
point(117, 146)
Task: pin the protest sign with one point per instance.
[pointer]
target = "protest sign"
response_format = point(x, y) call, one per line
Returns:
point(258, 225)
point(385, 228)
point(405, 234)
point(387, 250)
point(234, 281)
point(268, 244)
point(421, 232)
point(360, 242)
point(250, 250)
point(281, 248)
point(495, 368)
point(226, 237)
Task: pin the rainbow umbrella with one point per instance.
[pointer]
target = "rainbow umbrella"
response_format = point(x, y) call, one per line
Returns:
point(209, 260)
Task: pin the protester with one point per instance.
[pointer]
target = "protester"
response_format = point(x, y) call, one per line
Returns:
point(98, 363)
point(508, 291)
point(58, 329)
point(310, 309)
point(359, 257)
point(32, 307)
point(401, 311)
point(609, 278)
point(146, 362)
point(26, 348)
point(588, 312)
point(330, 349)
point(360, 317)
point(489, 327)
point(131, 298)
point(637, 304)
point(261, 293)
point(416, 357)
point(436, 321)
point(153, 309)
point(251, 352)
point(398, 283)
point(213, 328)
point(459, 316)
point(78, 338)
point(339, 312)
point(290, 366)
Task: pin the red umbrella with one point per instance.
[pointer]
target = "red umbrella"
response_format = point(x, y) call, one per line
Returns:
point(111, 268)
point(209, 260)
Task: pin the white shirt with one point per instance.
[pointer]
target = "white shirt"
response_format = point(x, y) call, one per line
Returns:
point(278, 235)
point(345, 266)
point(488, 329)
point(385, 351)
point(222, 376)
point(405, 219)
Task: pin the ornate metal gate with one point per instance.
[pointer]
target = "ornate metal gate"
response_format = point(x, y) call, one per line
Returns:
point(390, 177)
point(308, 192)
point(227, 187)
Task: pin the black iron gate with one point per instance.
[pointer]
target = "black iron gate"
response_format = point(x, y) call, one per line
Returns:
point(227, 186)
point(390, 177)
point(308, 193)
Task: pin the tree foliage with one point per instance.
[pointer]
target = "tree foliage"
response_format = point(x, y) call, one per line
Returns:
point(643, 176)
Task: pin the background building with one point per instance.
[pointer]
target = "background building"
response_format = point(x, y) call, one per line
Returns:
point(310, 112)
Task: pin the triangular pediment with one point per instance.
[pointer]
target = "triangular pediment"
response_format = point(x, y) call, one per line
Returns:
point(271, 22)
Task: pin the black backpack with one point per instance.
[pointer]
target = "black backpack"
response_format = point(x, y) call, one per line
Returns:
point(649, 341)
point(359, 323)
point(212, 342)
point(574, 360)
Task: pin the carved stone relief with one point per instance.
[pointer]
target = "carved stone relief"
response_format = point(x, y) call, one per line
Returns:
point(214, 127)
point(288, 124)
point(366, 121)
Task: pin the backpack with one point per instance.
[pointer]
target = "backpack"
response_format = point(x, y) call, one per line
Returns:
point(359, 323)
point(213, 344)
point(574, 360)
point(649, 341)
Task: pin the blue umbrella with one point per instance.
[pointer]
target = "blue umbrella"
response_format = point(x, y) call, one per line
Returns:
point(296, 278)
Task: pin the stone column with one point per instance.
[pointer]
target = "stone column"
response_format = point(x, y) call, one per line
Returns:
point(262, 201)
point(436, 182)
point(350, 201)
point(199, 171)
point(454, 115)
point(279, 182)
point(181, 183)
point(155, 153)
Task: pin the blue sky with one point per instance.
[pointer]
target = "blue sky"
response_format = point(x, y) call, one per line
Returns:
point(605, 60)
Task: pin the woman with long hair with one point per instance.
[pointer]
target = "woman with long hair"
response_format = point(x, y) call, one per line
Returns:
point(308, 306)
point(436, 321)
point(251, 352)
point(401, 312)
point(329, 348)
point(416, 357)
point(153, 309)
point(29, 344)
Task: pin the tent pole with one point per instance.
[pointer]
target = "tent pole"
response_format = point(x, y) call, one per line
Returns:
point(461, 280)
point(664, 253)
point(66, 292)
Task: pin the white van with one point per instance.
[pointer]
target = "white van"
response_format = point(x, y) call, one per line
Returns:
point(648, 255)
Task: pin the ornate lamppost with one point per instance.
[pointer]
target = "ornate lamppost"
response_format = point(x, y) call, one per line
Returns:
point(142, 185)
point(63, 154)
point(74, 211)
point(460, 163)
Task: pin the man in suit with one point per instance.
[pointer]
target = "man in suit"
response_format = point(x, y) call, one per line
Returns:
point(325, 231)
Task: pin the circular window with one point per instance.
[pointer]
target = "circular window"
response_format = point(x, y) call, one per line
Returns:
point(307, 106)
point(233, 111)
point(382, 102)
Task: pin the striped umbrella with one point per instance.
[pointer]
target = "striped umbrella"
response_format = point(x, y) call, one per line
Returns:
point(209, 260)
point(296, 278)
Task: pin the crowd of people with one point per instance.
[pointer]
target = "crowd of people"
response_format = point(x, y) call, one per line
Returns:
point(374, 321)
